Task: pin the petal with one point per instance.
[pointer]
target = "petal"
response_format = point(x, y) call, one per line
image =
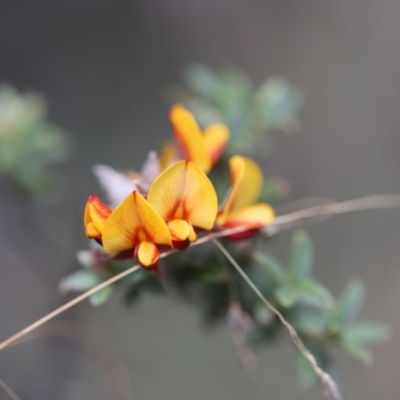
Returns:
point(96, 215)
point(189, 137)
point(183, 191)
point(147, 253)
point(246, 184)
point(168, 155)
point(255, 216)
point(115, 184)
point(150, 169)
point(132, 222)
point(216, 137)
point(179, 228)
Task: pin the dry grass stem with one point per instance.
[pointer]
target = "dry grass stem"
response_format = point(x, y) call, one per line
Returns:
point(330, 386)
point(8, 390)
point(281, 222)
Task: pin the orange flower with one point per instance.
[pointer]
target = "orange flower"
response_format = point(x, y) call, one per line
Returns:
point(240, 207)
point(95, 217)
point(185, 198)
point(136, 225)
point(202, 148)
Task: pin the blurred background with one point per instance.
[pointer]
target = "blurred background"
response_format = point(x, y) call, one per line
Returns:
point(104, 66)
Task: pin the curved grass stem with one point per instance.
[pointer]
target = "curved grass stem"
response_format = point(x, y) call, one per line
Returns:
point(330, 386)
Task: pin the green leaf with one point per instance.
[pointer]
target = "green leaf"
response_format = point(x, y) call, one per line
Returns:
point(263, 314)
point(101, 296)
point(357, 350)
point(79, 281)
point(300, 256)
point(350, 302)
point(366, 332)
point(305, 373)
point(314, 294)
point(132, 296)
point(286, 296)
point(272, 266)
point(309, 323)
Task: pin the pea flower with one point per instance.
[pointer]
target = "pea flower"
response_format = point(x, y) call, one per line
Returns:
point(240, 207)
point(95, 217)
point(117, 185)
point(186, 199)
point(135, 225)
point(202, 148)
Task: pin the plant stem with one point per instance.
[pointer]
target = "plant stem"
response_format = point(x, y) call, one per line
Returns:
point(330, 386)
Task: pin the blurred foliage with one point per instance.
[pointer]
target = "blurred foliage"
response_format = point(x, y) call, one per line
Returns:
point(250, 113)
point(205, 280)
point(201, 275)
point(29, 144)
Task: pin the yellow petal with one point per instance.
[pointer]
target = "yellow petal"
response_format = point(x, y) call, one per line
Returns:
point(96, 215)
point(168, 155)
point(179, 229)
point(255, 216)
point(147, 253)
point(246, 183)
point(189, 137)
point(132, 222)
point(216, 137)
point(184, 192)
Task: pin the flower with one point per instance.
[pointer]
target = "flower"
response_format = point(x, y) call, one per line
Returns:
point(240, 207)
point(186, 199)
point(135, 225)
point(117, 185)
point(202, 148)
point(95, 217)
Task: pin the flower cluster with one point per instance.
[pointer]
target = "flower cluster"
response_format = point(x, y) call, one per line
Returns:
point(172, 200)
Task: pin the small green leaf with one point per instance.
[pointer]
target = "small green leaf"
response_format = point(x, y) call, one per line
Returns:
point(263, 314)
point(357, 350)
point(271, 265)
point(79, 281)
point(305, 373)
point(286, 296)
point(309, 323)
point(366, 332)
point(350, 302)
point(132, 296)
point(154, 285)
point(314, 294)
point(300, 256)
point(101, 296)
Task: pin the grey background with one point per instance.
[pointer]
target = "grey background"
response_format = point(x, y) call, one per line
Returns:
point(103, 66)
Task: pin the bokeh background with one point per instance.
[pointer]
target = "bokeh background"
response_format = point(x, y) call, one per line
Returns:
point(104, 65)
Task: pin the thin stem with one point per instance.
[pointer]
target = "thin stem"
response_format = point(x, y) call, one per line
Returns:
point(330, 386)
point(280, 223)
point(365, 203)
point(8, 390)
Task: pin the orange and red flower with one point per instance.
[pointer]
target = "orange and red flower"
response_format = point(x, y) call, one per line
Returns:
point(202, 148)
point(240, 207)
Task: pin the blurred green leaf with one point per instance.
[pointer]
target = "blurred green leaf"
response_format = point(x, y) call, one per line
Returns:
point(132, 295)
point(300, 256)
point(79, 281)
point(309, 322)
point(314, 294)
point(305, 373)
point(366, 332)
point(101, 296)
point(350, 302)
point(272, 266)
point(262, 314)
point(286, 296)
point(357, 350)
